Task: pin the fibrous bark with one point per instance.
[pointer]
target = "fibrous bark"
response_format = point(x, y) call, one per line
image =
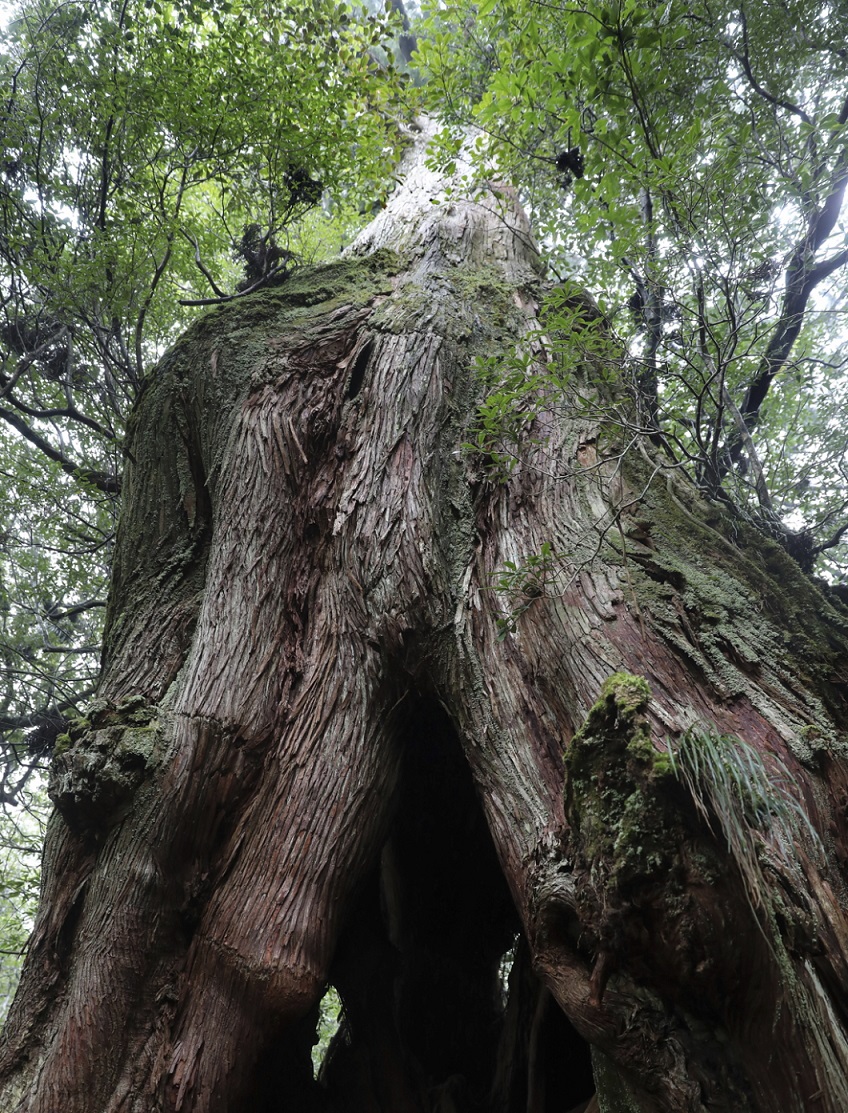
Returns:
point(320, 753)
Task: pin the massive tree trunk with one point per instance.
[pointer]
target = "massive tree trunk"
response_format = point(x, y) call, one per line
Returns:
point(330, 746)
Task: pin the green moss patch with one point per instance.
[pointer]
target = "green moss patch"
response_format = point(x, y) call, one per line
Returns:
point(613, 772)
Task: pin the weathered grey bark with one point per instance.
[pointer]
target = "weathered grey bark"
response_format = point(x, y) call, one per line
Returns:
point(306, 694)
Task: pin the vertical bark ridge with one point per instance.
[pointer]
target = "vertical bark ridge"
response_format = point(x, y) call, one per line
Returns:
point(541, 682)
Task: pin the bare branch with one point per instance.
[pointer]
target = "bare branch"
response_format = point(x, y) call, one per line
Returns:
point(750, 451)
point(802, 277)
point(103, 481)
point(219, 293)
point(45, 714)
point(833, 540)
point(744, 59)
point(79, 608)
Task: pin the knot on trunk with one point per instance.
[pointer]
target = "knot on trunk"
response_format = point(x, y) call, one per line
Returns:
point(99, 764)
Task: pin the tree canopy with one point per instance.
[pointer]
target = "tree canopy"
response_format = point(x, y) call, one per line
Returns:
point(687, 163)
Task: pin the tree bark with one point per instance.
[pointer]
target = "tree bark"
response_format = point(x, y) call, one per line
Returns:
point(319, 753)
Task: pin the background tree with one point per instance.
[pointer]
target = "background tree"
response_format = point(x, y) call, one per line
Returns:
point(21, 840)
point(707, 216)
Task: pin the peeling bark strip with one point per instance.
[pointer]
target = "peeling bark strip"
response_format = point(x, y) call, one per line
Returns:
point(307, 698)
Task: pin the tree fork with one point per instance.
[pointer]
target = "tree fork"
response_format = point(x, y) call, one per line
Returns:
point(307, 561)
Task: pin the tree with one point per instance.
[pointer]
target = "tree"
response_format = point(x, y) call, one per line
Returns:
point(21, 840)
point(688, 161)
point(329, 734)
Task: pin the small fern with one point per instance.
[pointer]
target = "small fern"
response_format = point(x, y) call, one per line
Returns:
point(748, 804)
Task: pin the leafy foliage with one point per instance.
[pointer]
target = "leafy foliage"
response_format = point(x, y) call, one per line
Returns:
point(330, 1018)
point(143, 137)
point(706, 214)
point(21, 836)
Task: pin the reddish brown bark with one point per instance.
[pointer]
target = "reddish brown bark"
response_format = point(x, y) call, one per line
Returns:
point(316, 757)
